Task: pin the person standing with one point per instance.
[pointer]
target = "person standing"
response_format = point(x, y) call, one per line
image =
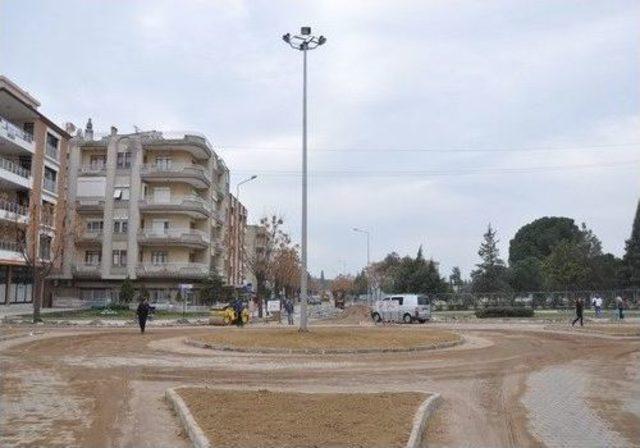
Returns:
point(238, 307)
point(597, 304)
point(579, 309)
point(620, 306)
point(288, 307)
point(143, 314)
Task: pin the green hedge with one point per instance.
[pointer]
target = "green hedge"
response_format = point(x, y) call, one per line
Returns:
point(504, 312)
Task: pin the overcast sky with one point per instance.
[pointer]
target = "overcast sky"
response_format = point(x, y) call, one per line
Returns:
point(403, 100)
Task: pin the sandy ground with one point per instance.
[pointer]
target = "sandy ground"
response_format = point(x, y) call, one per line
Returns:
point(330, 338)
point(508, 385)
point(241, 419)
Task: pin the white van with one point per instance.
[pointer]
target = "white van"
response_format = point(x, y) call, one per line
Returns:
point(405, 308)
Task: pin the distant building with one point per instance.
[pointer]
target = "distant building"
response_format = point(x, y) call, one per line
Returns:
point(150, 206)
point(254, 246)
point(236, 228)
point(33, 157)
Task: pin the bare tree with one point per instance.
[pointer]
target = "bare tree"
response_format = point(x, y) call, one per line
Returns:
point(40, 247)
point(276, 265)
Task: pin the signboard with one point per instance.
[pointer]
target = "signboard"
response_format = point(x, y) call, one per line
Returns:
point(273, 306)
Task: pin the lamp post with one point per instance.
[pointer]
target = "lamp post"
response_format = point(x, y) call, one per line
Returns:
point(303, 42)
point(366, 232)
point(239, 240)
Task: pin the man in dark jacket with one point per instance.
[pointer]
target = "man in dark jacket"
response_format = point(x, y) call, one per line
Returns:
point(143, 314)
point(579, 308)
point(238, 307)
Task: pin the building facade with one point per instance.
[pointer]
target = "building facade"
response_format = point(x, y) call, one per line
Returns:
point(33, 158)
point(255, 246)
point(235, 237)
point(149, 206)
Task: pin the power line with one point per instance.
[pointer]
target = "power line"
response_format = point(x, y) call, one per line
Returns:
point(446, 172)
point(612, 146)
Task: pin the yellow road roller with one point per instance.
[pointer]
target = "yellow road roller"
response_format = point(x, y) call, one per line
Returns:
point(226, 315)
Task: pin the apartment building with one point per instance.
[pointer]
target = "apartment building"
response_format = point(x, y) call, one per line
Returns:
point(255, 245)
point(235, 237)
point(149, 206)
point(32, 189)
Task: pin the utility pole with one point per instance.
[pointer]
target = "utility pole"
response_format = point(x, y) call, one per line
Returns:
point(366, 232)
point(303, 42)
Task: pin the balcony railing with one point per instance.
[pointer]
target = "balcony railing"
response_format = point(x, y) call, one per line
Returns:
point(51, 151)
point(183, 235)
point(183, 169)
point(49, 185)
point(14, 131)
point(185, 201)
point(12, 246)
point(14, 207)
point(173, 269)
point(14, 168)
point(86, 235)
point(92, 269)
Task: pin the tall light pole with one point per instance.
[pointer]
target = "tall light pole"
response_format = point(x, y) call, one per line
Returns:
point(366, 232)
point(239, 240)
point(303, 42)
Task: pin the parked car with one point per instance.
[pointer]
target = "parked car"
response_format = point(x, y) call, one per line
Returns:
point(407, 308)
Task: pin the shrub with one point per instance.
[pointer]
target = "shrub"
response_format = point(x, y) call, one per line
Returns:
point(504, 312)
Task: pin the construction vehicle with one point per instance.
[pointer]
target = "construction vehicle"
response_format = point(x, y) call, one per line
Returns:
point(224, 314)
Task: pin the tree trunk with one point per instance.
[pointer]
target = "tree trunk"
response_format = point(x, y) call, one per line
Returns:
point(37, 298)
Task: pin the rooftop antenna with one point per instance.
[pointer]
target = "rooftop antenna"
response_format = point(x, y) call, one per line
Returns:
point(136, 129)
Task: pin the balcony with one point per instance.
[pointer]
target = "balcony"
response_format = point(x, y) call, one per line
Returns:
point(16, 136)
point(194, 175)
point(14, 173)
point(50, 185)
point(90, 205)
point(172, 237)
point(197, 145)
point(86, 270)
point(51, 151)
point(193, 206)
point(173, 270)
point(89, 237)
point(12, 211)
point(93, 170)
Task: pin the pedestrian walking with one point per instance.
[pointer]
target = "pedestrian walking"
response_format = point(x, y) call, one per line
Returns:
point(143, 314)
point(288, 307)
point(620, 306)
point(579, 308)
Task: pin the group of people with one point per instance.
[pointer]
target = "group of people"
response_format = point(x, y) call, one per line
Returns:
point(596, 302)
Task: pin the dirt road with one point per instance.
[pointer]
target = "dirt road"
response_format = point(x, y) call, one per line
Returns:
point(508, 385)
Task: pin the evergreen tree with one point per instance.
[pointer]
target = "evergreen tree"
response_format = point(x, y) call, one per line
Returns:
point(631, 257)
point(127, 293)
point(455, 279)
point(491, 275)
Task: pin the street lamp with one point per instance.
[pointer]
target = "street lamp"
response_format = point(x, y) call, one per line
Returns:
point(238, 236)
point(303, 42)
point(366, 232)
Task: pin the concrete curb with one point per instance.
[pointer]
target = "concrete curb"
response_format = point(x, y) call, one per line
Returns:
point(425, 410)
point(226, 348)
point(200, 440)
point(194, 431)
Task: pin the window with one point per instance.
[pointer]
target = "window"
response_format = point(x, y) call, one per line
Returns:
point(120, 226)
point(52, 140)
point(163, 163)
point(121, 193)
point(123, 160)
point(95, 226)
point(159, 257)
point(160, 226)
point(28, 128)
point(97, 162)
point(119, 257)
point(45, 247)
point(422, 300)
point(92, 257)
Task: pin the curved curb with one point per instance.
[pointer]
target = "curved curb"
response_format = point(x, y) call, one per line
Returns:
point(194, 431)
point(423, 413)
point(226, 348)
